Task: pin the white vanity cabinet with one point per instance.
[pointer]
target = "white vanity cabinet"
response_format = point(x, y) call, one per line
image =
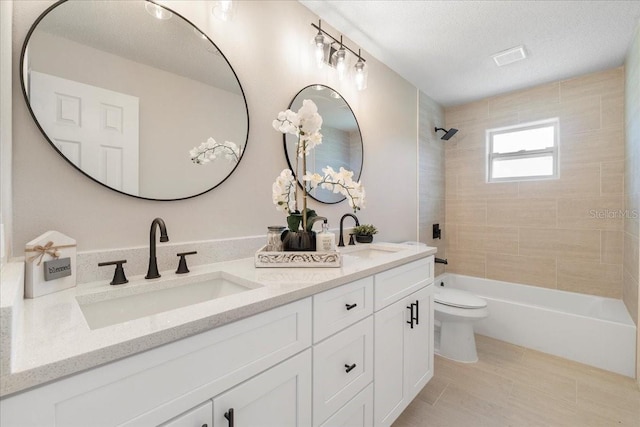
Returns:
point(201, 416)
point(403, 338)
point(279, 397)
point(351, 356)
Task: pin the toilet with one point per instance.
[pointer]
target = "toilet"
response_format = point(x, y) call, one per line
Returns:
point(455, 313)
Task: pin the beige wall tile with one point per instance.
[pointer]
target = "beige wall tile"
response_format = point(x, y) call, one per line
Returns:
point(595, 146)
point(611, 247)
point(613, 110)
point(463, 113)
point(522, 213)
point(451, 236)
point(474, 186)
point(466, 160)
point(580, 115)
point(450, 185)
point(594, 84)
point(631, 256)
point(630, 295)
point(601, 213)
point(466, 212)
point(502, 240)
point(536, 271)
point(539, 96)
point(579, 245)
point(612, 178)
point(579, 180)
point(466, 262)
point(487, 239)
point(590, 278)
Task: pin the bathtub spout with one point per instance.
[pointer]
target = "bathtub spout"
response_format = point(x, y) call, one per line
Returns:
point(441, 261)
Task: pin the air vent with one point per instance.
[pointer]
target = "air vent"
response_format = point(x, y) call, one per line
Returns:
point(509, 56)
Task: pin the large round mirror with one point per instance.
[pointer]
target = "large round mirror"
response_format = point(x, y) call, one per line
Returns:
point(124, 90)
point(341, 138)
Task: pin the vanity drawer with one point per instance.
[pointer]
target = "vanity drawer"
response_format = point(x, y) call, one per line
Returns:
point(338, 308)
point(396, 283)
point(342, 366)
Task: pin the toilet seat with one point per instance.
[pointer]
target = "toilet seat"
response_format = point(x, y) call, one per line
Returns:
point(458, 298)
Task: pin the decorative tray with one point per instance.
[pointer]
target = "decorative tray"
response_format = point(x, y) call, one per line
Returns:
point(297, 259)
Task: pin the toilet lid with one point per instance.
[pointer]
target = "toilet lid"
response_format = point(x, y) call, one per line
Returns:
point(457, 298)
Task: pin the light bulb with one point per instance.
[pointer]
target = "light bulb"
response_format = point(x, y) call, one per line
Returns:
point(360, 75)
point(223, 10)
point(319, 49)
point(341, 63)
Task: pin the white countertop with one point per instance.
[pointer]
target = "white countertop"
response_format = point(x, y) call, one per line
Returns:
point(50, 338)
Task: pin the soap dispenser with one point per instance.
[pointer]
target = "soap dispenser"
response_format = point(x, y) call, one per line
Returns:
point(325, 240)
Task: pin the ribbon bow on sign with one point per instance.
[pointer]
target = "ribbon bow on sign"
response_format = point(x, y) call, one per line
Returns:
point(49, 249)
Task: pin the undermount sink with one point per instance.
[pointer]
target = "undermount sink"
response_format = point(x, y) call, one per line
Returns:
point(370, 251)
point(145, 299)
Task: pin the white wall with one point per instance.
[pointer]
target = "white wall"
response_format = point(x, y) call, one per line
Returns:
point(6, 8)
point(268, 44)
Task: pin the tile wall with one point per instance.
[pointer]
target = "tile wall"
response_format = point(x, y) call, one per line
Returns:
point(631, 264)
point(565, 233)
point(431, 175)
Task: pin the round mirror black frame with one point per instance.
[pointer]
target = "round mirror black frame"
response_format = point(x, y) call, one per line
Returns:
point(286, 153)
point(26, 98)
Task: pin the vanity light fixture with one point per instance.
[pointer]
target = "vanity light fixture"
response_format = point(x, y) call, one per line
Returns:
point(330, 50)
point(361, 73)
point(223, 10)
point(157, 11)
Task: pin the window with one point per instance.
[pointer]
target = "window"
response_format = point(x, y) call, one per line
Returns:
point(523, 152)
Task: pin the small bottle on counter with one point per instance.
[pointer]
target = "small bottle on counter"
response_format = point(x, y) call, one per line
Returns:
point(274, 239)
point(325, 240)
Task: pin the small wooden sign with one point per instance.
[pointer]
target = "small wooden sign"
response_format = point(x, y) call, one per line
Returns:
point(57, 268)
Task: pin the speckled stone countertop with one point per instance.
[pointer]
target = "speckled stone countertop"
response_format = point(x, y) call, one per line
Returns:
point(49, 337)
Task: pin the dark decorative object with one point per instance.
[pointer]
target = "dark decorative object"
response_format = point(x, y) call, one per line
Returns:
point(298, 241)
point(182, 264)
point(119, 277)
point(364, 233)
point(362, 238)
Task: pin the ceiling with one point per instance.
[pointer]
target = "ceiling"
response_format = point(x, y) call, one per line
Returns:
point(444, 47)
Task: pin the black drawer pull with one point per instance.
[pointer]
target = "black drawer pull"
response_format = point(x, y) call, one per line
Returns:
point(417, 316)
point(229, 416)
point(205, 425)
point(349, 367)
point(350, 306)
point(410, 307)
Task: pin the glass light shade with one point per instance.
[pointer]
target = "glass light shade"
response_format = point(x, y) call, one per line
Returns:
point(319, 49)
point(223, 10)
point(340, 62)
point(361, 75)
point(157, 12)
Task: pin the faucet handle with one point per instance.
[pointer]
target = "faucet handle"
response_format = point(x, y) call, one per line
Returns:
point(118, 276)
point(182, 264)
point(351, 242)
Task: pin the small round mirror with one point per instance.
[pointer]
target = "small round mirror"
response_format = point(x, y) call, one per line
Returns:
point(341, 139)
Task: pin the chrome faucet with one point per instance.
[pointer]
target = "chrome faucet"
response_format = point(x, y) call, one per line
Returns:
point(341, 242)
point(152, 272)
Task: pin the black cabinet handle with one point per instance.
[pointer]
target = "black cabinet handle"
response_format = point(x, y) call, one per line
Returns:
point(229, 416)
point(417, 316)
point(350, 306)
point(349, 367)
point(410, 307)
point(205, 425)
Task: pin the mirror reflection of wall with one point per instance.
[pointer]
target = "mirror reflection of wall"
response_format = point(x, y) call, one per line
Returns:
point(187, 91)
point(341, 138)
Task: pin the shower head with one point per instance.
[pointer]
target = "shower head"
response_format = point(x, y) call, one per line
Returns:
point(449, 133)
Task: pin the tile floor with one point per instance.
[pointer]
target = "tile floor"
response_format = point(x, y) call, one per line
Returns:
point(516, 386)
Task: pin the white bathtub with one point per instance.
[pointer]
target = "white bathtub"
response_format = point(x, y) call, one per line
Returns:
point(593, 330)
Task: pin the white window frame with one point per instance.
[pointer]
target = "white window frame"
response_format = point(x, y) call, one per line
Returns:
point(523, 154)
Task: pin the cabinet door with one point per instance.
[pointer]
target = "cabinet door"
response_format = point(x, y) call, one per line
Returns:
point(358, 412)
point(279, 397)
point(418, 362)
point(388, 373)
point(403, 362)
point(202, 416)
